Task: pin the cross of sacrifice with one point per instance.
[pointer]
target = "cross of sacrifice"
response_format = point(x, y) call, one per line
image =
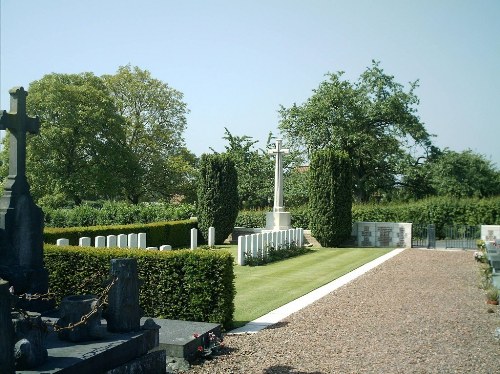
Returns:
point(18, 122)
point(278, 175)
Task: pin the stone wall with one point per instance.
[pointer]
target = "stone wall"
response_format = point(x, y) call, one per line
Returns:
point(382, 234)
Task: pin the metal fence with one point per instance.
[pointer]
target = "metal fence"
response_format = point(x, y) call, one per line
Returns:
point(458, 236)
point(462, 236)
point(423, 235)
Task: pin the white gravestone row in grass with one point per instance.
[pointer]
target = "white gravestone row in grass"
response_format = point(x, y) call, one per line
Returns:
point(257, 244)
point(133, 241)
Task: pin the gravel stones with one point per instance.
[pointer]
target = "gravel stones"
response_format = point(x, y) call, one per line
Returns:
point(420, 312)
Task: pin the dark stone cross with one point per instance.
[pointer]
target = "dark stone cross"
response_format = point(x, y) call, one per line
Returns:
point(21, 221)
point(18, 123)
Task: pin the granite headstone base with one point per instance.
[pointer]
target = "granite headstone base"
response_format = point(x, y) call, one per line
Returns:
point(178, 337)
point(116, 353)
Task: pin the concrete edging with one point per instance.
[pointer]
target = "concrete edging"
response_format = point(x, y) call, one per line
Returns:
point(284, 311)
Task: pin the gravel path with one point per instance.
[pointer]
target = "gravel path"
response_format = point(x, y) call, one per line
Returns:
point(420, 312)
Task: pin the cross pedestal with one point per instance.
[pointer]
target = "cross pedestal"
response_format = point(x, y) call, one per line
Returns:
point(278, 219)
point(21, 220)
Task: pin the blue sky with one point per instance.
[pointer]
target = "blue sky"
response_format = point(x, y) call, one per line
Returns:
point(237, 61)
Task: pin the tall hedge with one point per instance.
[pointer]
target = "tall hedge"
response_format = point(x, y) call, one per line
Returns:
point(187, 285)
point(330, 197)
point(217, 195)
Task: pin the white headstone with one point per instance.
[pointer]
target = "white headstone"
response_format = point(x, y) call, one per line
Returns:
point(122, 241)
point(62, 242)
point(254, 244)
point(241, 250)
point(100, 241)
point(194, 238)
point(84, 241)
point(211, 236)
point(132, 240)
point(165, 247)
point(111, 241)
point(141, 239)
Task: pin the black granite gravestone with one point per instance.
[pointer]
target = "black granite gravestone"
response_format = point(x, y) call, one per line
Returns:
point(21, 220)
point(6, 330)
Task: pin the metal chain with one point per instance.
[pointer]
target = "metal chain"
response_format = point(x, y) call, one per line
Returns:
point(101, 301)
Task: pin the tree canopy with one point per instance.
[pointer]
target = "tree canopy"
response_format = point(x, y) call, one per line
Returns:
point(112, 137)
point(154, 121)
point(80, 152)
point(255, 170)
point(463, 174)
point(374, 120)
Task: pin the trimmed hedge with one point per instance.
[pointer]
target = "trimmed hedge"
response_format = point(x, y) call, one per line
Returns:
point(187, 285)
point(438, 210)
point(217, 195)
point(330, 197)
point(175, 233)
point(441, 211)
point(257, 218)
point(116, 213)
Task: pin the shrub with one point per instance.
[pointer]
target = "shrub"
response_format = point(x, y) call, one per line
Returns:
point(330, 199)
point(188, 285)
point(115, 213)
point(217, 195)
point(273, 254)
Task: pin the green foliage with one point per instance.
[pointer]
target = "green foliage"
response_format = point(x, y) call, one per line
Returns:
point(273, 254)
point(80, 152)
point(255, 171)
point(176, 234)
point(330, 199)
point(296, 187)
point(251, 218)
point(154, 119)
point(441, 211)
point(217, 195)
point(464, 174)
point(115, 213)
point(373, 119)
point(188, 285)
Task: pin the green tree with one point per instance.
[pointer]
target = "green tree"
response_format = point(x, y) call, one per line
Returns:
point(464, 174)
point(255, 171)
point(330, 200)
point(374, 120)
point(155, 118)
point(80, 152)
point(217, 195)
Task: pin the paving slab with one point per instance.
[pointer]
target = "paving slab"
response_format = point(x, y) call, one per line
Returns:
point(181, 339)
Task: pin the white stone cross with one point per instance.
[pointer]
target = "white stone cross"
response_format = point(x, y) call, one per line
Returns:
point(278, 176)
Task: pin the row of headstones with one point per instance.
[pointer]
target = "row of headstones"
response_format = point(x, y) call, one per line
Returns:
point(133, 241)
point(257, 244)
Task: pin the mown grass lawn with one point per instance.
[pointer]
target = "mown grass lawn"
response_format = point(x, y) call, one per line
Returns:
point(261, 289)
